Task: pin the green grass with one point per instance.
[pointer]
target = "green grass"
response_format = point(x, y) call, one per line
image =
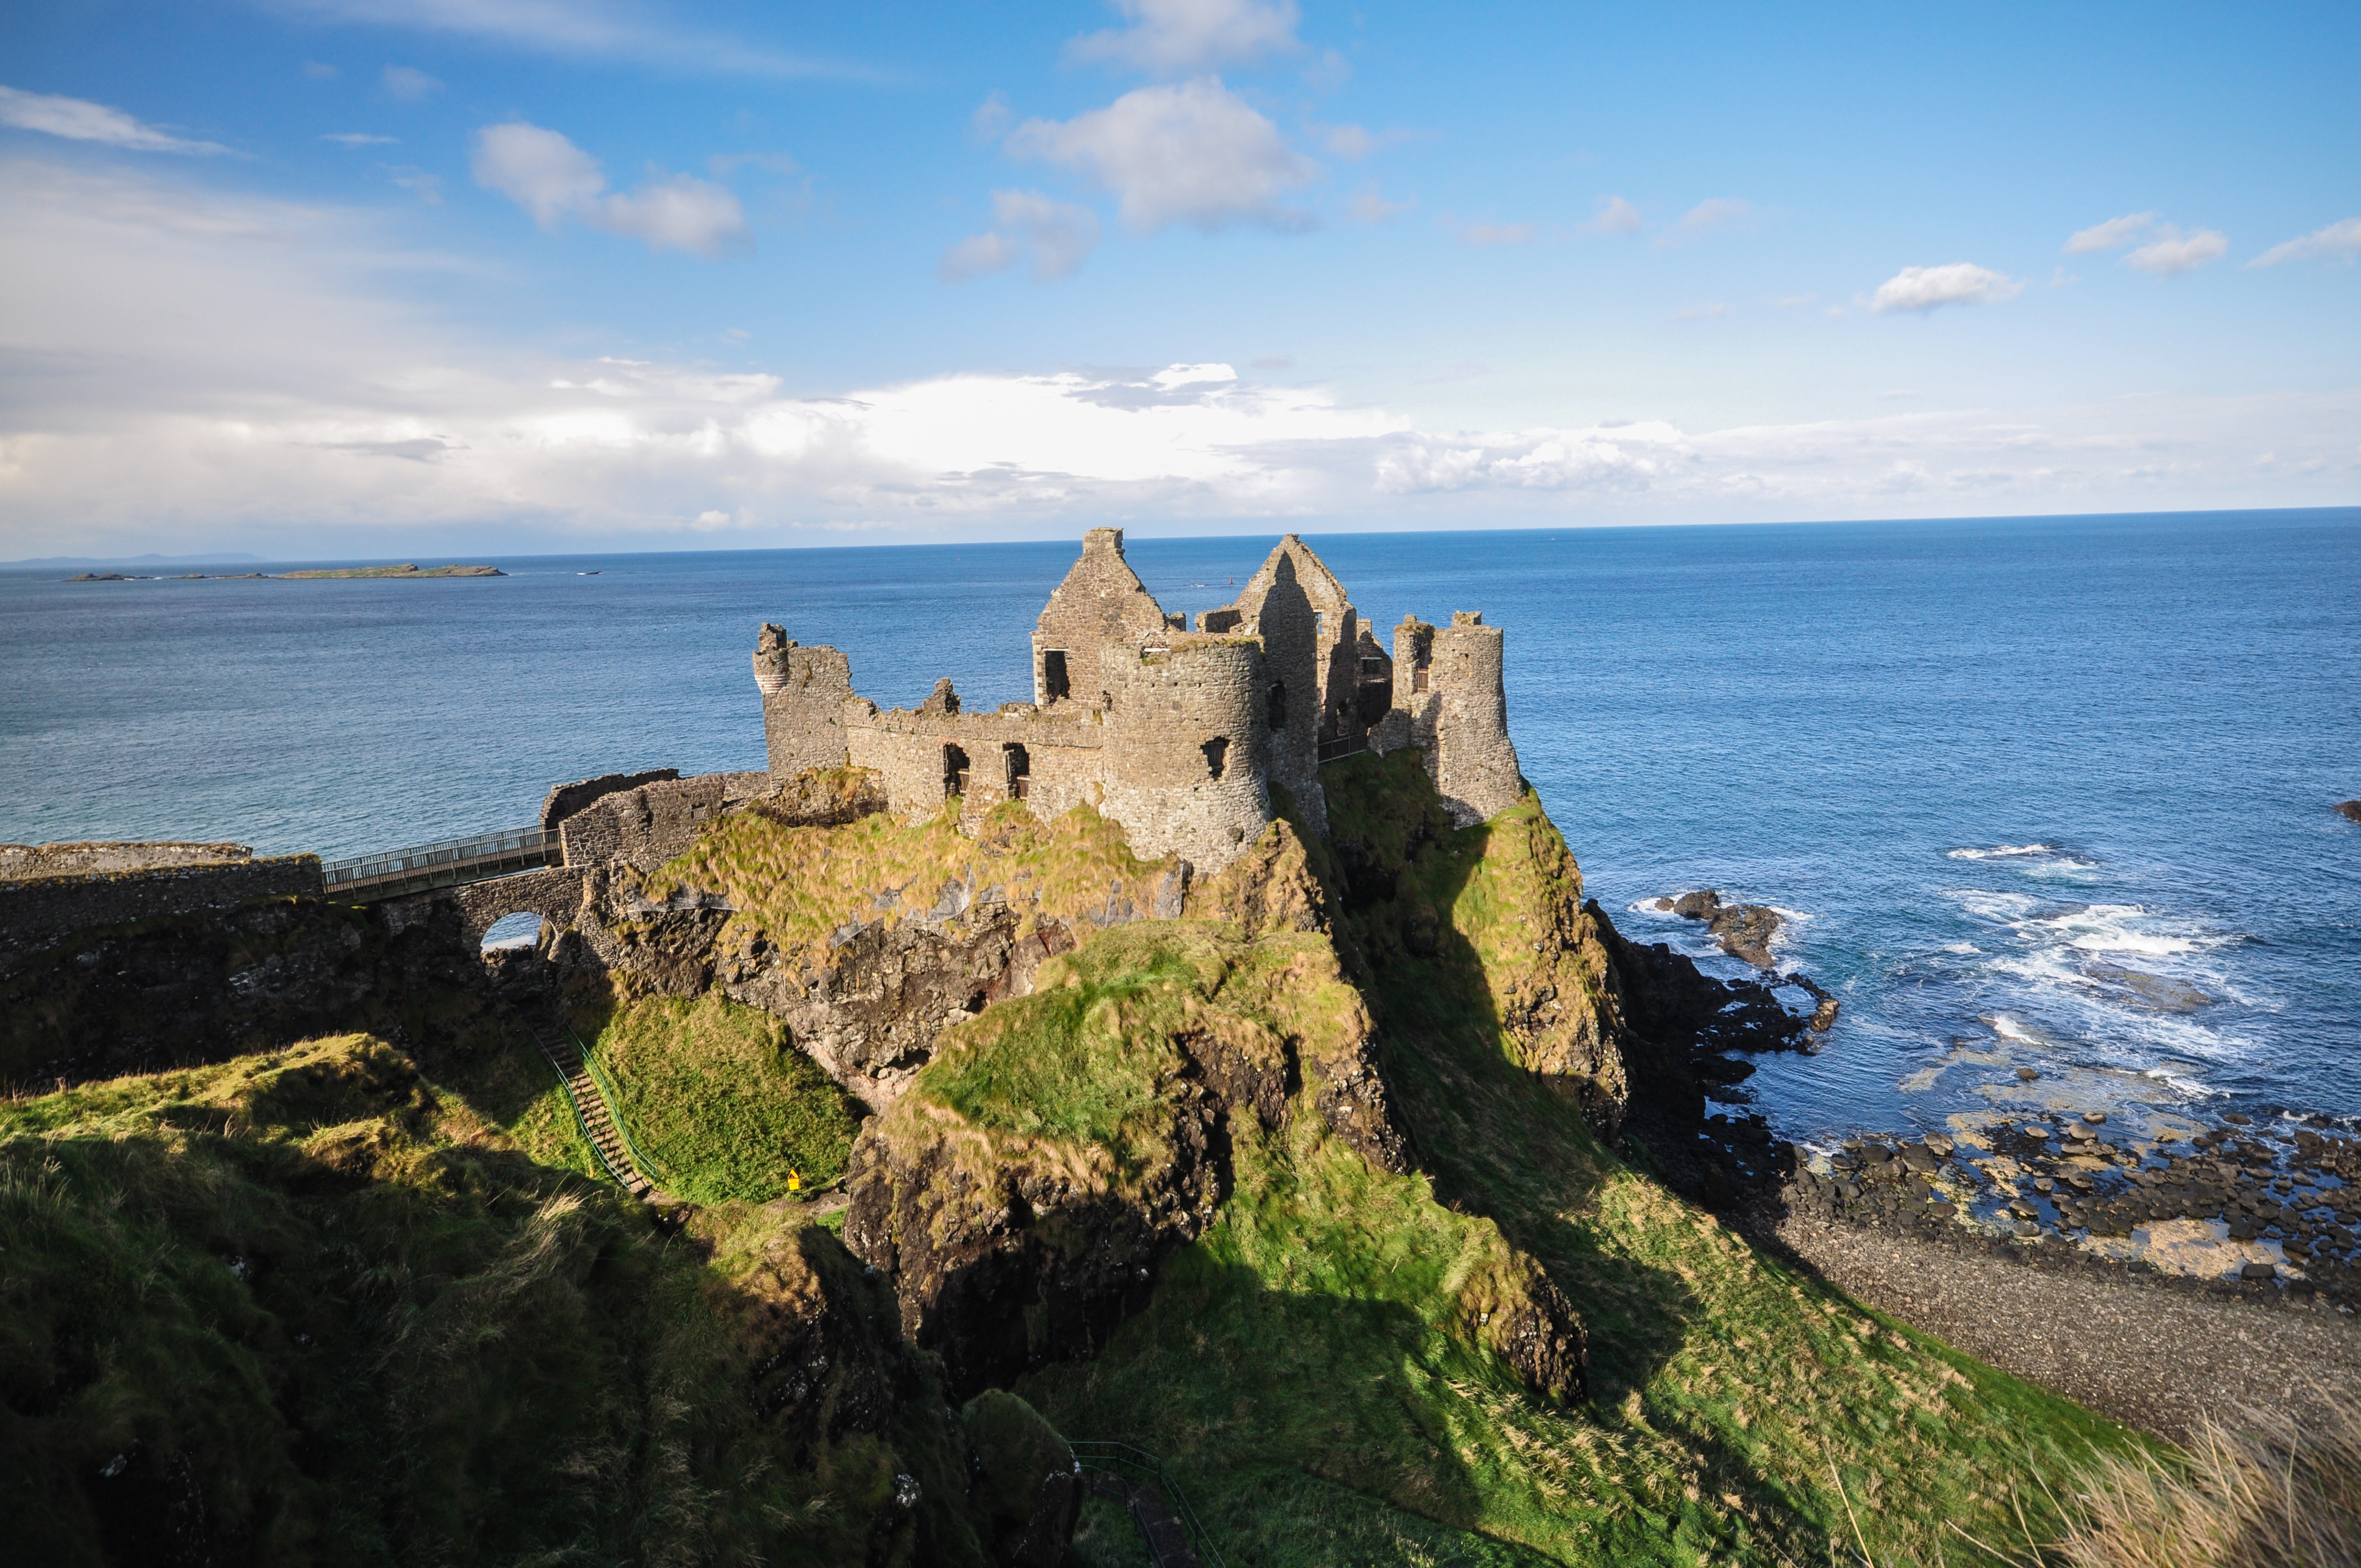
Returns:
point(307, 1306)
point(794, 886)
point(720, 1100)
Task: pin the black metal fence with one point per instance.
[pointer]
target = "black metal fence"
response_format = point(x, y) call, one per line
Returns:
point(393, 873)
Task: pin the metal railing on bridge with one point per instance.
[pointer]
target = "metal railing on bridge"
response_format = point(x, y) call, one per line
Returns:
point(393, 873)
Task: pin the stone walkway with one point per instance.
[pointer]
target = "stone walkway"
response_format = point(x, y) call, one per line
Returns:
point(2150, 1355)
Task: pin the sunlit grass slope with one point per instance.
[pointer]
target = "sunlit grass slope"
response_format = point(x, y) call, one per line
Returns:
point(307, 1306)
point(796, 886)
point(720, 1099)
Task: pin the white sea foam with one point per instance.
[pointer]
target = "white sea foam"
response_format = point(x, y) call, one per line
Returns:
point(2001, 853)
point(2009, 1028)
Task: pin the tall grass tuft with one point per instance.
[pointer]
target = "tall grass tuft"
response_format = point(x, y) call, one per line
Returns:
point(2272, 1492)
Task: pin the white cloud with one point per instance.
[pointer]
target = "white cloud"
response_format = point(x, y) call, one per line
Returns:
point(1716, 215)
point(1368, 207)
point(1193, 152)
point(552, 180)
point(78, 119)
point(539, 169)
point(359, 139)
point(2112, 235)
point(1059, 235)
point(2341, 239)
point(1701, 313)
point(407, 84)
point(1175, 37)
point(319, 71)
point(1615, 215)
point(185, 359)
point(599, 29)
point(1959, 283)
point(2173, 253)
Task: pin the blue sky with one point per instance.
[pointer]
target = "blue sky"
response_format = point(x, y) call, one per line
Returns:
point(331, 276)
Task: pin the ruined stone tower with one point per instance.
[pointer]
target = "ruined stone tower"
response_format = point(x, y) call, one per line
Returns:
point(1178, 734)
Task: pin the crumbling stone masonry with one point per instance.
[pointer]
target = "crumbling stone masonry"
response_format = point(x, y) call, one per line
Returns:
point(1177, 734)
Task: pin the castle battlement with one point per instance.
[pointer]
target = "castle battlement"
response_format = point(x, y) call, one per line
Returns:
point(1178, 734)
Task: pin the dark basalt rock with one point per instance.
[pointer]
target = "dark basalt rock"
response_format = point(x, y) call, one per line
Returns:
point(1743, 930)
point(2349, 810)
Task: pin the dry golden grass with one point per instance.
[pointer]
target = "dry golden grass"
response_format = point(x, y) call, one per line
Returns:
point(2270, 1492)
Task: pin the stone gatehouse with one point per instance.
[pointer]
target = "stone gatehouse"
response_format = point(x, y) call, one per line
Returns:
point(1180, 735)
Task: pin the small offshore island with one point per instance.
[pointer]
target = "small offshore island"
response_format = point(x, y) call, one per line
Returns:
point(1195, 1115)
point(405, 572)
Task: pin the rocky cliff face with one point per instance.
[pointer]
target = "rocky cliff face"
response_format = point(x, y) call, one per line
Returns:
point(1023, 1193)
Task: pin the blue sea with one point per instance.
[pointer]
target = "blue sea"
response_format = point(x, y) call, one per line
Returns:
point(2024, 787)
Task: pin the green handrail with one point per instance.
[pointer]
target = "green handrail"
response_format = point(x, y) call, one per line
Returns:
point(1122, 1459)
point(581, 1122)
point(607, 1086)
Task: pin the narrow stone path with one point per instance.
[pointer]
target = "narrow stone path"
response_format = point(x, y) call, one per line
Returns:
point(2153, 1354)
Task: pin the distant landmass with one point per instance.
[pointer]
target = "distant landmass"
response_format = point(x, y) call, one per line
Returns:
point(407, 569)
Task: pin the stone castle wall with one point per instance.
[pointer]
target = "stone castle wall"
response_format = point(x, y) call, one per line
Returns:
point(566, 799)
point(36, 911)
point(645, 826)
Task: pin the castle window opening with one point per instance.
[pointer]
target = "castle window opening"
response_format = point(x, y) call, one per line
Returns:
point(1278, 704)
point(954, 771)
point(1020, 771)
point(1053, 675)
point(1217, 751)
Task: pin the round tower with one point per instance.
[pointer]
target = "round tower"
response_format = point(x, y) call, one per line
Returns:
point(1184, 758)
point(1473, 763)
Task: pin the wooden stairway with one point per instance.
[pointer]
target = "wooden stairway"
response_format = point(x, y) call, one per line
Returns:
point(596, 1116)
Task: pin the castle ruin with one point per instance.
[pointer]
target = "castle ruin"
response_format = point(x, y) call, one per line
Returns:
point(1180, 735)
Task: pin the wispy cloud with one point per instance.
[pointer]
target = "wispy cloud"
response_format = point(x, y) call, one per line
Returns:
point(552, 180)
point(408, 84)
point(1056, 235)
point(2173, 253)
point(78, 119)
point(359, 139)
point(1353, 143)
point(1614, 215)
point(1367, 206)
point(1716, 215)
point(1701, 313)
point(2341, 240)
point(1181, 37)
point(2112, 235)
point(1192, 152)
point(1496, 234)
point(601, 30)
point(427, 188)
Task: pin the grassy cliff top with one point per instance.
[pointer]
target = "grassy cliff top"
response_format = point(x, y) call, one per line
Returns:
point(799, 885)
